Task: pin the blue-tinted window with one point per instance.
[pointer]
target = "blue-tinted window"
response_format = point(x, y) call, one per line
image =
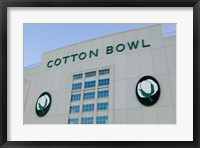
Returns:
point(102, 120)
point(103, 93)
point(102, 106)
point(73, 121)
point(104, 82)
point(76, 86)
point(90, 84)
point(104, 72)
point(78, 76)
point(90, 74)
point(75, 97)
point(88, 107)
point(87, 120)
point(89, 95)
point(74, 109)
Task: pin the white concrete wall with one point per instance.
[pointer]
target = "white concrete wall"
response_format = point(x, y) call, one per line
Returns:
point(127, 67)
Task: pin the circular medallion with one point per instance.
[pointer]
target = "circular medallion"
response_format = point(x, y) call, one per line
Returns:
point(43, 104)
point(148, 90)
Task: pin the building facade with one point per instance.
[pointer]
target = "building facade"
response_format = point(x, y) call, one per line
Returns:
point(98, 81)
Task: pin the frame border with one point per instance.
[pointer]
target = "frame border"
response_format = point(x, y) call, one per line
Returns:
point(98, 3)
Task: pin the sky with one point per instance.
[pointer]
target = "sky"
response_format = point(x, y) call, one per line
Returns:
point(40, 38)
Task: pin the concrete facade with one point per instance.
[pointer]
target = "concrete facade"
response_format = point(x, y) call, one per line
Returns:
point(125, 66)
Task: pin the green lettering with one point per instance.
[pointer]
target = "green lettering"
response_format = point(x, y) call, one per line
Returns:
point(49, 66)
point(109, 49)
point(122, 46)
point(82, 57)
point(65, 58)
point(74, 55)
point(92, 52)
point(57, 62)
point(143, 45)
point(133, 45)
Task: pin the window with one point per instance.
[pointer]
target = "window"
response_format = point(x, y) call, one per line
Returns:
point(90, 84)
point(87, 120)
point(103, 93)
point(104, 72)
point(89, 95)
point(88, 107)
point(102, 106)
point(102, 120)
point(78, 76)
point(76, 86)
point(73, 121)
point(75, 97)
point(90, 74)
point(74, 109)
point(104, 82)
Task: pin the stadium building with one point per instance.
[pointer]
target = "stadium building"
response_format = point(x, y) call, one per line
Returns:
point(123, 78)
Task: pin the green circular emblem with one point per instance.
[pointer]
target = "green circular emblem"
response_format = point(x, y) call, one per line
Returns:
point(148, 90)
point(43, 104)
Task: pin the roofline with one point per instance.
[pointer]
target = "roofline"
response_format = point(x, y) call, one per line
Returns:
point(100, 37)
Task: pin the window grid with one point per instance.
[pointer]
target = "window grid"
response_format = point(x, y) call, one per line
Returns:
point(76, 97)
point(87, 120)
point(104, 71)
point(104, 82)
point(89, 95)
point(76, 86)
point(90, 84)
point(73, 121)
point(88, 107)
point(74, 109)
point(102, 120)
point(90, 74)
point(102, 106)
point(103, 93)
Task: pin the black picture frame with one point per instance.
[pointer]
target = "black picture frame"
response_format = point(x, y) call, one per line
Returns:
point(4, 4)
